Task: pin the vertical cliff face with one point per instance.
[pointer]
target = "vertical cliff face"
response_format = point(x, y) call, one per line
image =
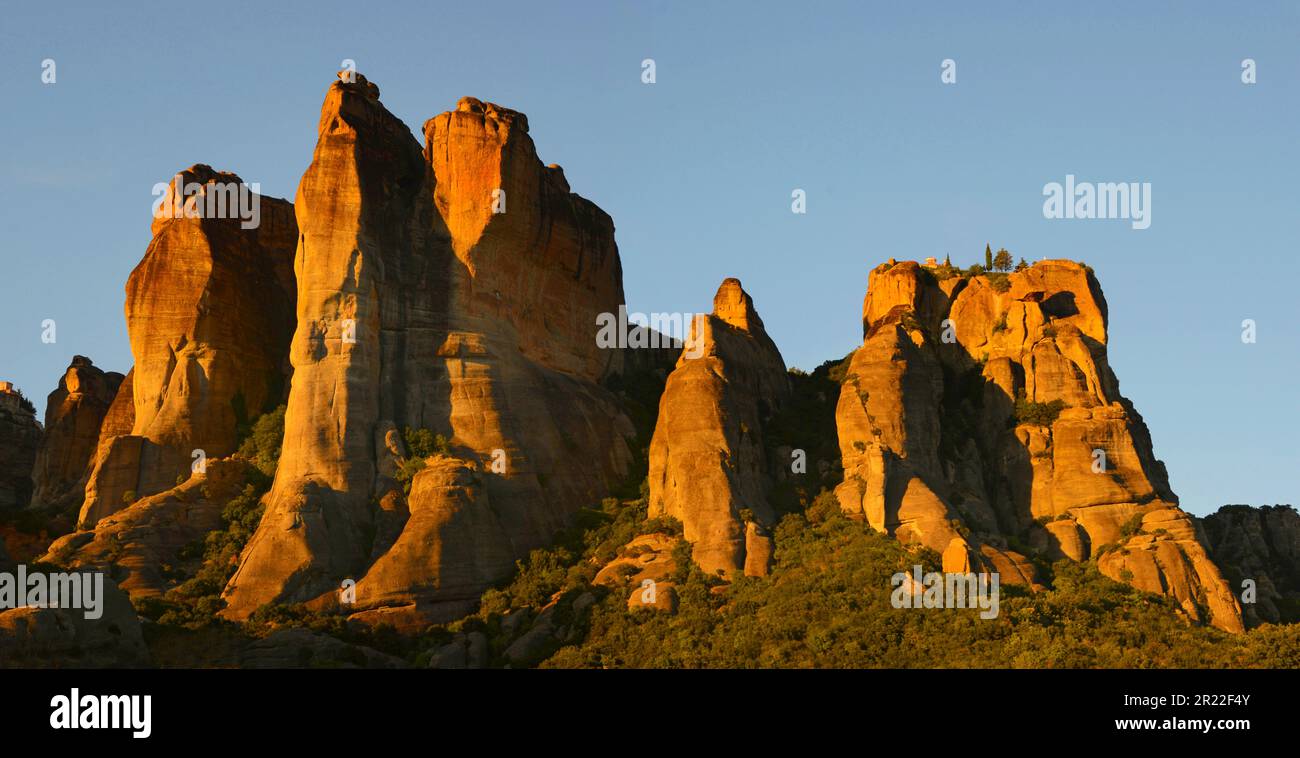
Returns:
point(981, 412)
point(357, 207)
point(20, 437)
point(534, 258)
point(708, 461)
point(1260, 545)
point(74, 414)
point(209, 311)
point(429, 300)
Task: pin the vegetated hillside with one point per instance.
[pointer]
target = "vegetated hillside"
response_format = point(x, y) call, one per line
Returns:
point(827, 604)
point(827, 601)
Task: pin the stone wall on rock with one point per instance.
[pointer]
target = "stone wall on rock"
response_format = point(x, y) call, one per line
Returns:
point(210, 312)
point(981, 419)
point(708, 458)
point(453, 288)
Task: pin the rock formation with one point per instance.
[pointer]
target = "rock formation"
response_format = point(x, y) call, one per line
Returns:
point(35, 637)
point(453, 289)
point(210, 311)
point(644, 569)
point(452, 546)
point(74, 414)
point(136, 544)
point(980, 415)
point(1261, 545)
point(20, 436)
point(708, 461)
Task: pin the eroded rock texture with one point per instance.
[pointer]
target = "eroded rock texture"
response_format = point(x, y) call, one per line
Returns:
point(37, 637)
point(210, 312)
point(453, 289)
point(137, 544)
point(1261, 545)
point(20, 437)
point(74, 415)
point(980, 414)
point(708, 460)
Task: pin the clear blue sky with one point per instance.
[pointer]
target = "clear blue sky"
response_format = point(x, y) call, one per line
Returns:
point(752, 101)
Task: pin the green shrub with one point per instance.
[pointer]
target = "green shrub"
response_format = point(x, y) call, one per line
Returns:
point(423, 443)
point(195, 602)
point(1038, 414)
point(420, 444)
point(263, 443)
point(1132, 526)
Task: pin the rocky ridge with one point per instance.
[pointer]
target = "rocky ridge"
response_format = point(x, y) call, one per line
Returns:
point(452, 289)
point(981, 412)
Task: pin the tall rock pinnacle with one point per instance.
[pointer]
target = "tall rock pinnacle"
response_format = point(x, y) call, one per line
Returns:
point(707, 458)
point(453, 290)
point(209, 311)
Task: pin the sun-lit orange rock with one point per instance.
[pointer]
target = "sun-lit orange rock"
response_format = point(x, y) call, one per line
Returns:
point(209, 310)
point(982, 410)
point(708, 465)
point(453, 288)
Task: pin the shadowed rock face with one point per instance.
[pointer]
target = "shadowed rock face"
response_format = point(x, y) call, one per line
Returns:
point(1261, 545)
point(210, 311)
point(135, 544)
point(707, 458)
point(421, 304)
point(74, 414)
point(20, 437)
point(977, 411)
point(33, 637)
point(452, 546)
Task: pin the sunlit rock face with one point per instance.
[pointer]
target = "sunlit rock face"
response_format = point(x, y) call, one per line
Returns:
point(981, 411)
point(210, 311)
point(453, 288)
point(708, 465)
point(74, 414)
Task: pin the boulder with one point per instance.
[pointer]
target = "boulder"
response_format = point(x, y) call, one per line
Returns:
point(33, 637)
